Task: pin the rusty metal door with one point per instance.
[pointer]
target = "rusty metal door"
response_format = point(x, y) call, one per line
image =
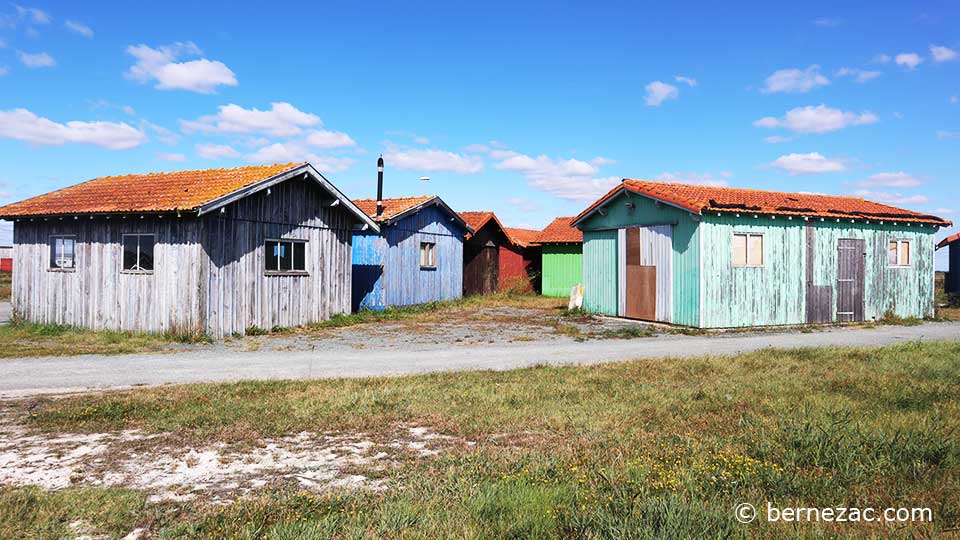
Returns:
point(851, 277)
point(641, 282)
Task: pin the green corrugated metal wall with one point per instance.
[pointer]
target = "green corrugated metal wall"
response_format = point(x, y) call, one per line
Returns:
point(746, 296)
point(600, 272)
point(562, 268)
point(774, 294)
point(600, 259)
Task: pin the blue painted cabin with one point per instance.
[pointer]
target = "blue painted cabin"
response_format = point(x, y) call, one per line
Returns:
point(417, 257)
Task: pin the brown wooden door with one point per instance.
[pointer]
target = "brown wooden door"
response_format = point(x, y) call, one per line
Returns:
point(641, 282)
point(851, 272)
point(480, 270)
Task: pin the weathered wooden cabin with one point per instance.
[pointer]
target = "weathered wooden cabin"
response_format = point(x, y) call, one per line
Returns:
point(561, 247)
point(952, 282)
point(495, 259)
point(714, 257)
point(415, 258)
point(214, 251)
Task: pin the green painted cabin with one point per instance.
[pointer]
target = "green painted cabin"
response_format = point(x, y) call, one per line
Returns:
point(712, 257)
point(561, 257)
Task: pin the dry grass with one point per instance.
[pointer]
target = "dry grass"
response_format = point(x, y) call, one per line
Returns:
point(651, 449)
point(26, 340)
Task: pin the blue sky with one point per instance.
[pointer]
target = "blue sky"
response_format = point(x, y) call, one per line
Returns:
point(528, 109)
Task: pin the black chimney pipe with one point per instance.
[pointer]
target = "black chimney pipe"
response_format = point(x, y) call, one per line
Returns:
point(380, 186)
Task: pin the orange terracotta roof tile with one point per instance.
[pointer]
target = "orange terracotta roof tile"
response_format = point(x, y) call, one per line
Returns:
point(560, 231)
point(391, 207)
point(700, 199)
point(521, 237)
point(948, 240)
point(153, 192)
point(476, 220)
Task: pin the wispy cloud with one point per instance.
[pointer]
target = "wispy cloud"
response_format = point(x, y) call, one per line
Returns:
point(658, 92)
point(943, 54)
point(908, 60)
point(329, 139)
point(216, 151)
point(171, 156)
point(704, 179)
point(819, 119)
point(568, 179)
point(79, 28)
point(32, 14)
point(827, 22)
point(23, 125)
point(890, 179)
point(689, 81)
point(36, 60)
point(282, 120)
point(794, 81)
point(433, 160)
point(160, 64)
point(890, 198)
point(298, 151)
point(859, 75)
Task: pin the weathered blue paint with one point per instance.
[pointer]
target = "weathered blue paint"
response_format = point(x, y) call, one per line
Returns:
point(386, 267)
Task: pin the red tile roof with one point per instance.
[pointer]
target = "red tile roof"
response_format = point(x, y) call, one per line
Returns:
point(476, 220)
point(948, 240)
point(153, 192)
point(700, 199)
point(391, 207)
point(521, 237)
point(560, 231)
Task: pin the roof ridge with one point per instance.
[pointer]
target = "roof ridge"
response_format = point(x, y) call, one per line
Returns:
point(755, 190)
point(292, 164)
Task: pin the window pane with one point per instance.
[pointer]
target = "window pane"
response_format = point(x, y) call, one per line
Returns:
point(54, 242)
point(286, 256)
point(146, 251)
point(129, 252)
point(892, 254)
point(755, 250)
point(904, 253)
point(272, 255)
point(739, 249)
point(68, 255)
point(299, 256)
point(423, 254)
point(433, 254)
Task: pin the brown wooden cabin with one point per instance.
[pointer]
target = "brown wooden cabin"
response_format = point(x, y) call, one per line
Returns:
point(497, 258)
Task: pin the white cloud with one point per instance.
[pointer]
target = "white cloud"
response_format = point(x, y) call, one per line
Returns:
point(177, 158)
point(881, 59)
point(570, 179)
point(216, 151)
point(163, 134)
point(32, 14)
point(859, 75)
point(523, 205)
point(658, 92)
point(890, 198)
point(704, 179)
point(79, 28)
point(777, 139)
point(908, 60)
point(282, 120)
point(954, 100)
point(944, 134)
point(23, 125)
point(433, 160)
point(159, 64)
point(827, 22)
point(296, 152)
point(890, 179)
point(794, 81)
point(819, 119)
point(812, 163)
point(4, 70)
point(38, 60)
point(943, 54)
point(329, 139)
point(689, 81)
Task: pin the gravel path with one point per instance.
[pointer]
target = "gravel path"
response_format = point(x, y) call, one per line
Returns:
point(68, 374)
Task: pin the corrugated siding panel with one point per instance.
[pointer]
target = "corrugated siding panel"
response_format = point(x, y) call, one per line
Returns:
point(513, 270)
point(404, 282)
point(562, 268)
point(686, 247)
point(656, 249)
point(600, 272)
point(906, 292)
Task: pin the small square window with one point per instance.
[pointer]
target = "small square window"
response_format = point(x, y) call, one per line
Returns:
point(747, 249)
point(285, 256)
point(63, 252)
point(899, 253)
point(428, 255)
point(138, 252)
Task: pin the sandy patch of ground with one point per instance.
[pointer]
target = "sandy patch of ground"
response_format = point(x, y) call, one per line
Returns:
point(215, 472)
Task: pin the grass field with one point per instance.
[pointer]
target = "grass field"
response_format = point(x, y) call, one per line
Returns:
point(652, 449)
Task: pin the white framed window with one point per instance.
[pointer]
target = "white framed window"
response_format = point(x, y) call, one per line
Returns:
point(138, 253)
point(899, 253)
point(285, 256)
point(428, 255)
point(63, 252)
point(747, 249)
